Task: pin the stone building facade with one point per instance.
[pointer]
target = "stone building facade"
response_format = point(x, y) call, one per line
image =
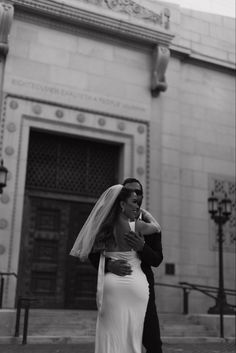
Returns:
point(96, 91)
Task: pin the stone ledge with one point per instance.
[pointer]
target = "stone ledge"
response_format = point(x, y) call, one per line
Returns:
point(186, 54)
point(96, 19)
point(90, 339)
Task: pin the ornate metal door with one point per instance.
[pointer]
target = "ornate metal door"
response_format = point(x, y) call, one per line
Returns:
point(64, 178)
point(43, 250)
point(81, 277)
point(47, 271)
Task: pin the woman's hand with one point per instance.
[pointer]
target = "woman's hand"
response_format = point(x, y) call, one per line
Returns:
point(135, 241)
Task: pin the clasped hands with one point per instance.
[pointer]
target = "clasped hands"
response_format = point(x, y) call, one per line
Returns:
point(121, 267)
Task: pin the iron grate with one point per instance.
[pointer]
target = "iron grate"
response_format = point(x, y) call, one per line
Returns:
point(71, 165)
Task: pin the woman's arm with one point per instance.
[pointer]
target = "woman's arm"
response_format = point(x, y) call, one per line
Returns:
point(148, 218)
point(147, 228)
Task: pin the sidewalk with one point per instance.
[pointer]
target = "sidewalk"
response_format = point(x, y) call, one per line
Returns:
point(89, 348)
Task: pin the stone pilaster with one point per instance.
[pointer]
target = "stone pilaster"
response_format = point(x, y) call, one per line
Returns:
point(6, 18)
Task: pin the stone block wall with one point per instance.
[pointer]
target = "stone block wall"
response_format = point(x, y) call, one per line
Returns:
point(197, 122)
point(77, 61)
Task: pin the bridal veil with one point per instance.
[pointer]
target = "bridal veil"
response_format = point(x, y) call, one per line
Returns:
point(86, 237)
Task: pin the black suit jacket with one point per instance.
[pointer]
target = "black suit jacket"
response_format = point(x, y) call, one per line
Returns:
point(151, 255)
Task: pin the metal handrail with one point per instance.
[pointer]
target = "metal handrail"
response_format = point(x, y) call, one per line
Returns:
point(207, 290)
point(23, 303)
point(168, 285)
point(187, 287)
point(185, 294)
point(2, 283)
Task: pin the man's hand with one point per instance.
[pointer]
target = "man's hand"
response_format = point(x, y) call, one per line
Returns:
point(135, 241)
point(119, 267)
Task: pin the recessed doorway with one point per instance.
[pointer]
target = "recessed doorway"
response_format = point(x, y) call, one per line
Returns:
point(65, 175)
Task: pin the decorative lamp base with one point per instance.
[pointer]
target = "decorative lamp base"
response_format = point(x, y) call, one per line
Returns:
point(226, 309)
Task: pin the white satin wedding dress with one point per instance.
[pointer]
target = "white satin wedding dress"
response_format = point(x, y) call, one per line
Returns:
point(123, 306)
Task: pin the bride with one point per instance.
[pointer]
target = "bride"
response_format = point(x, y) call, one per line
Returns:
point(121, 301)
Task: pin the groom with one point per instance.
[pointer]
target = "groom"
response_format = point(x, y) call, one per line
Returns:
point(149, 249)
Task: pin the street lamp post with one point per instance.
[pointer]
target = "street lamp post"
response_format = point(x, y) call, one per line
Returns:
point(3, 176)
point(220, 211)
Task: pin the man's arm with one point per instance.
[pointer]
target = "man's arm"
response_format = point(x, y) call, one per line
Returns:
point(94, 258)
point(118, 267)
point(148, 247)
point(151, 253)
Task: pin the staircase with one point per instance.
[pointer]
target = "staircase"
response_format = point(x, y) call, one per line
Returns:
point(177, 327)
point(79, 326)
point(66, 325)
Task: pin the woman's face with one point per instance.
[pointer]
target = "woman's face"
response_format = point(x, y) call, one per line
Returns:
point(137, 188)
point(130, 207)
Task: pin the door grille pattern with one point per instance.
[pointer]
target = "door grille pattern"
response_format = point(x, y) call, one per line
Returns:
point(70, 165)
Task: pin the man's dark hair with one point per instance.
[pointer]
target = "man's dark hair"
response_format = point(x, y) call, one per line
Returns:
point(132, 180)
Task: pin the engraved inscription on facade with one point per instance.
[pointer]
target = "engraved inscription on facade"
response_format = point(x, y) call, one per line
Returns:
point(75, 97)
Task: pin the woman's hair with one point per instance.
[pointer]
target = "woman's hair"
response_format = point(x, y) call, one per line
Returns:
point(105, 236)
point(88, 233)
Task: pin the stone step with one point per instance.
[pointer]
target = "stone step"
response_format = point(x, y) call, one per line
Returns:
point(85, 340)
point(189, 330)
point(172, 317)
point(82, 323)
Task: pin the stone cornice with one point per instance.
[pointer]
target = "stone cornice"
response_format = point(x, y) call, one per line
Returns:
point(187, 55)
point(117, 22)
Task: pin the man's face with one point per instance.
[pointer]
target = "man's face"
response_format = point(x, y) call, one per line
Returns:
point(137, 188)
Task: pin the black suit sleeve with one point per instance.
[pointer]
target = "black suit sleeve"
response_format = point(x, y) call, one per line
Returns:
point(152, 251)
point(94, 258)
